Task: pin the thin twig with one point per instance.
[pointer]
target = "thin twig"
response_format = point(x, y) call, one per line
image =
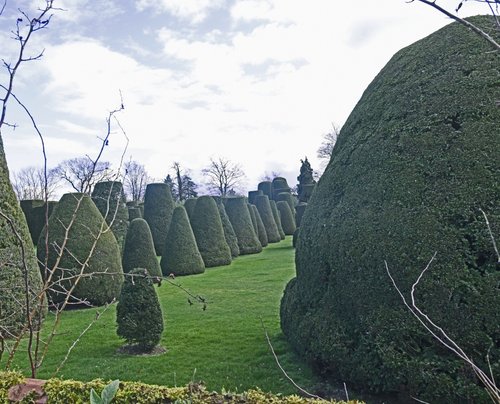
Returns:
point(491, 235)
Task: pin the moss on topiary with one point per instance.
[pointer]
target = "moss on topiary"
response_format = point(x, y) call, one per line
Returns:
point(138, 313)
point(261, 229)
point(266, 214)
point(88, 245)
point(189, 205)
point(229, 234)
point(413, 164)
point(109, 198)
point(277, 219)
point(158, 209)
point(209, 234)
point(13, 307)
point(139, 250)
point(239, 216)
point(252, 195)
point(286, 216)
point(181, 255)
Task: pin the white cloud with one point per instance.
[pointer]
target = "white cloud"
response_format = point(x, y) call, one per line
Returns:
point(193, 10)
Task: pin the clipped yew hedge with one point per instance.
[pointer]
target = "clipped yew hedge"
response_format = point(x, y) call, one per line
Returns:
point(139, 251)
point(254, 218)
point(181, 255)
point(261, 230)
point(87, 241)
point(413, 165)
point(229, 234)
point(277, 219)
point(253, 194)
point(239, 216)
point(287, 219)
point(266, 214)
point(189, 205)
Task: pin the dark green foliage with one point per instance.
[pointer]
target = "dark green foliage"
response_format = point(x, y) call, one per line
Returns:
point(78, 213)
point(134, 213)
point(306, 192)
point(306, 181)
point(12, 266)
point(239, 216)
point(286, 216)
point(138, 313)
point(189, 205)
point(109, 198)
point(229, 234)
point(252, 195)
point(132, 204)
point(181, 255)
point(35, 222)
point(299, 212)
point(139, 251)
point(261, 230)
point(266, 214)
point(414, 162)
point(209, 234)
point(280, 183)
point(158, 209)
point(277, 219)
point(295, 237)
point(254, 219)
point(288, 198)
point(267, 189)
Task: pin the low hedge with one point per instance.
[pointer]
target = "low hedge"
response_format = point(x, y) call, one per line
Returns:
point(71, 391)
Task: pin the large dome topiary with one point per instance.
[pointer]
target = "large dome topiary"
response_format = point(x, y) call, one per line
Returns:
point(229, 234)
point(209, 234)
point(277, 219)
point(109, 198)
point(88, 247)
point(139, 250)
point(286, 216)
point(181, 255)
point(266, 214)
point(261, 230)
point(158, 209)
point(13, 267)
point(415, 162)
point(239, 216)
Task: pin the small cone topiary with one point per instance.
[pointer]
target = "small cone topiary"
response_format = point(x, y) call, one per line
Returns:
point(254, 219)
point(252, 195)
point(89, 248)
point(229, 234)
point(209, 234)
point(189, 205)
point(267, 189)
point(277, 219)
point(138, 313)
point(181, 255)
point(239, 216)
point(288, 198)
point(261, 230)
point(158, 209)
point(286, 216)
point(266, 214)
point(109, 198)
point(139, 251)
point(134, 213)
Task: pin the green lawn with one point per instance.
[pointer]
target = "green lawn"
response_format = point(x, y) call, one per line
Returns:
point(225, 345)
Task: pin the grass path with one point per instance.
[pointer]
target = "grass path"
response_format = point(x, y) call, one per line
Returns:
point(224, 346)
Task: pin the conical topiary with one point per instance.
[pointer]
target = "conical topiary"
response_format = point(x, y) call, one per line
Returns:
point(209, 234)
point(299, 212)
point(158, 209)
point(109, 198)
point(252, 195)
point(189, 206)
point(288, 198)
point(13, 268)
point(413, 165)
point(261, 230)
point(267, 189)
point(181, 255)
point(138, 313)
point(229, 234)
point(279, 185)
point(239, 216)
point(277, 219)
point(266, 214)
point(139, 250)
point(35, 222)
point(286, 216)
point(254, 219)
point(134, 213)
point(90, 260)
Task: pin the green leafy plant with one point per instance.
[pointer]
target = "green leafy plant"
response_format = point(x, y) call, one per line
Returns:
point(107, 394)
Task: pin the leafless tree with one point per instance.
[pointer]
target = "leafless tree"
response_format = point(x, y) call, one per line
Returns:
point(329, 139)
point(81, 173)
point(223, 176)
point(270, 176)
point(183, 187)
point(135, 180)
point(32, 183)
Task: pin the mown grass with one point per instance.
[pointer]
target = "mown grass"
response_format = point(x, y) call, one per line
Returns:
point(224, 345)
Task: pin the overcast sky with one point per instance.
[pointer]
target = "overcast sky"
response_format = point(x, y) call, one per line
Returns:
point(256, 81)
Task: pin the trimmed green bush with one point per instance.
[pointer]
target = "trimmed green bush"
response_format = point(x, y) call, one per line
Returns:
point(267, 189)
point(189, 205)
point(109, 198)
point(286, 216)
point(299, 212)
point(252, 195)
point(306, 192)
point(261, 230)
point(414, 162)
point(254, 219)
point(134, 213)
point(12, 266)
point(288, 198)
point(209, 234)
point(229, 234)
point(295, 237)
point(266, 214)
point(139, 250)
point(181, 255)
point(239, 216)
point(87, 242)
point(277, 219)
point(138, 313)
point(35, 222)
point(158, 209)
